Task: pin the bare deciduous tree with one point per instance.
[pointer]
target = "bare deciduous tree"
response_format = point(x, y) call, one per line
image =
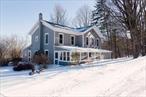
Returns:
point(11, 48)
point(83, 17)
point(59, 15)
point(131, 13)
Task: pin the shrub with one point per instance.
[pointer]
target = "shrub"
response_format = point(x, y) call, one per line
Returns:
point(23, 66)
point(41, 59)
point(75, 57)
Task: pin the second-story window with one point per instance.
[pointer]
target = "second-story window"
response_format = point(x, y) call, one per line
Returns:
point(61, 38)
point(97, 42)
point(87, 40)
point(29, 55)
point(92, 41)
point(36, 38)
point(72, 40)
point(46, 38)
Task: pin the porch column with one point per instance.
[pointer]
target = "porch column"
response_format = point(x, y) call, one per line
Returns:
point(100, 55)
point(94, 55)
point(88, 55)
point(80, 57)
point(54, 57)
point(58, 57)
point(70, 56)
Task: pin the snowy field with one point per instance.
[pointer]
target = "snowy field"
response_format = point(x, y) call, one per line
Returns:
point(119, 77)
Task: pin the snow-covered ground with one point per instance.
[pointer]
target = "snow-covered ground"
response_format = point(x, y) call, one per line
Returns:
point(118, 77)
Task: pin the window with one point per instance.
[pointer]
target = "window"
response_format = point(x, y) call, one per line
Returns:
point(97, 42)
point(86, 40)
point(61, 56)
point(29, 55)
point(68, 56)
point(56, 55)
point(89, 54)
point(36, 38)
point(61, 38)
point(72, 40)
point(64, 55)
point(46, 52)
point(46, 38)
point(92, 41)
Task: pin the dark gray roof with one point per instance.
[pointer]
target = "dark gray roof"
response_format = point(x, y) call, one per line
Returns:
point(81, 29)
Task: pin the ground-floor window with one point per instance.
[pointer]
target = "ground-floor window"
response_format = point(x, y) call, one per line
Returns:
point(90, 54)
point(68, 56)
point(29, 55)
point(46, 52)
point(56, 55)
point(64, 55)
point(61, 56)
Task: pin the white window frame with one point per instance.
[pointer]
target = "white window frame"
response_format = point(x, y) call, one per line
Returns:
point(47, 51)
point(62, 38)
point(45, 38)
point(71, 40)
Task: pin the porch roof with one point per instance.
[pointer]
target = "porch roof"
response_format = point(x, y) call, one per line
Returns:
point(79, 49)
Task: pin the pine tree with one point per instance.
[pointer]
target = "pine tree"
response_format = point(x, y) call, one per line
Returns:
point(99, 15)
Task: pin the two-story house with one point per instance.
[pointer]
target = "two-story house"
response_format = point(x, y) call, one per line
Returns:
point(59, 42)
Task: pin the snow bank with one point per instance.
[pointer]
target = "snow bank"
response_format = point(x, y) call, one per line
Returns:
point(120, 77)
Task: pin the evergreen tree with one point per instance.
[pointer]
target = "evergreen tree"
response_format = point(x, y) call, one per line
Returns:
point(99, 15)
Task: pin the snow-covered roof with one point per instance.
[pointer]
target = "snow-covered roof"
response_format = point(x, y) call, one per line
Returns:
point(66, 29)
point(79, 49)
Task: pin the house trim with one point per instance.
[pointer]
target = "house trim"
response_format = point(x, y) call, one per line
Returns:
point(96, 30)
point(34, 28)
point(60, 29)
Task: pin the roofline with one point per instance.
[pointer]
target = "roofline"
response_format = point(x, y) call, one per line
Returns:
point(59, 29)
point(34, 28)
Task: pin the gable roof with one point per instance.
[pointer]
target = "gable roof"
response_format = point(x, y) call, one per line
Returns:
point(65, 29)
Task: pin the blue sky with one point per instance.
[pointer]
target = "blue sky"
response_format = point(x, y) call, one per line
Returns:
point(18, 16)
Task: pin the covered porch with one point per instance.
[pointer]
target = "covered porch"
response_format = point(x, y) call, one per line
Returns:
point(63, 54)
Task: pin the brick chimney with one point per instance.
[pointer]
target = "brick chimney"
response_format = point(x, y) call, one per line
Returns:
point(41, 32)
point(40, 16)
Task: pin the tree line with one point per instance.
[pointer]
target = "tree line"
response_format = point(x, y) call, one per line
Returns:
point(122, 22)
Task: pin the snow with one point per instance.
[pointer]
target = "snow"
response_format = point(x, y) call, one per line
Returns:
point(80, 49)
point(112, 77)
